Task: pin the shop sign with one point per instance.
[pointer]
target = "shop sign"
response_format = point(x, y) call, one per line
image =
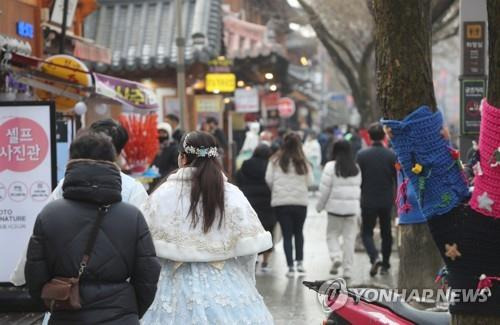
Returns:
point(286, 107)
point(67, 68)
point(473, 47)
point(28, 169)
point(473, 91)
point(126, 92)
point(208, 103)
point(58, 12)
point(25, 29)
point(270, 101)
point(220, 65)
point(246, 100)
point(220, 82)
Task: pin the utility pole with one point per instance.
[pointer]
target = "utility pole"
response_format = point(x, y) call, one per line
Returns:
point(181, 67)
point(63, 27)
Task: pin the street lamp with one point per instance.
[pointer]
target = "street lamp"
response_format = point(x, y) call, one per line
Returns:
point(269, 76)
point(273, 87)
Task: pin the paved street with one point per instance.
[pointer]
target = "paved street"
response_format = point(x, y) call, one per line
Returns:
point(292, 303)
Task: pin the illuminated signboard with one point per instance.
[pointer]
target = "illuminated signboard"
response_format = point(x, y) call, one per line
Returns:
point(25, 29)
point(220, 82)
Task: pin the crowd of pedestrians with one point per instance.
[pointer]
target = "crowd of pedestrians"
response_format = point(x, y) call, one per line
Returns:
point(188, 252)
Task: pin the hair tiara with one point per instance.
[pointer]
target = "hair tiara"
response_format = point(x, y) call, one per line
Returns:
point(200, 152)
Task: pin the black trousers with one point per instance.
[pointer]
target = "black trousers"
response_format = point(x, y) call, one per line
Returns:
point(291, 219)
point(369, 218)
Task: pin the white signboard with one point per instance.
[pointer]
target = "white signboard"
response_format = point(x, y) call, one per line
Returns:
point(27, 174)
point(58, 12)
point(246, 100)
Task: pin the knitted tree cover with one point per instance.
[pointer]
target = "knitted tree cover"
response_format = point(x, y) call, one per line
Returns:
point(469, 245)
point(428, 162)
point(407, 203)
point(486, 196)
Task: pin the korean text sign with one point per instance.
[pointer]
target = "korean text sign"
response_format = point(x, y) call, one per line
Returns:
point(27, 174)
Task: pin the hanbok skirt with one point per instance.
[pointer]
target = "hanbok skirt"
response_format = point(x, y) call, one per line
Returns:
point(205, 293)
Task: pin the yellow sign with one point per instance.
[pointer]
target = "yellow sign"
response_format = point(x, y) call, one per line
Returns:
point(67, 68)
point(220, 82)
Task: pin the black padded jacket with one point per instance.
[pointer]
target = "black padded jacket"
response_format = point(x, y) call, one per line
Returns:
point(120, 281)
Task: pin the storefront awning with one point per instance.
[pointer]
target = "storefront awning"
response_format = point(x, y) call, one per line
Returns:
point(65, 80)
point(142, 34)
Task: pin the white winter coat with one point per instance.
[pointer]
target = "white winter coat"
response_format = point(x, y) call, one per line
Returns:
point(287, 188)
point(339, 195)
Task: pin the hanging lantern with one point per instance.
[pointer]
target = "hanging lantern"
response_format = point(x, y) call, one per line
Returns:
point(80, 108)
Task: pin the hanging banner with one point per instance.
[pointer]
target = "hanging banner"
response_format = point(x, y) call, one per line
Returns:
point(246, 100)
point(126, 92)
point(27, 174)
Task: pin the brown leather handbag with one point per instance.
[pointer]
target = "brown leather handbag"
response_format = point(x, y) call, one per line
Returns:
point(62, 293)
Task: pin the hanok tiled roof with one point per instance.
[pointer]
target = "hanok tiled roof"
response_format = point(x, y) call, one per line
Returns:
point(141, 33)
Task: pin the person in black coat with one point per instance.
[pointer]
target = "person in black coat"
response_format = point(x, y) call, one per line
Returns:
point(378, 187)
point(119, 283)
point(251, 180)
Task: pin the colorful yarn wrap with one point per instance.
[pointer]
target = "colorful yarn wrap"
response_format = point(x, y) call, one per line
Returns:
point(418, 140)
point(477, 239)
point(407, 203)
point(489, 181)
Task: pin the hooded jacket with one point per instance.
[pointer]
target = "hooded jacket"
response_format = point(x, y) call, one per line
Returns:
point(120, 280)
point(251, 180)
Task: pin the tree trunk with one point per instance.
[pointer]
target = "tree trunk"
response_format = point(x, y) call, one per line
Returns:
point(417, 248)
point(494, 52)
point(404, 83)
point(493, 97)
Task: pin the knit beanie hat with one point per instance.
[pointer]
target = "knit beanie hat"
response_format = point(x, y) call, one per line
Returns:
point(486, 196)
point(433, 167)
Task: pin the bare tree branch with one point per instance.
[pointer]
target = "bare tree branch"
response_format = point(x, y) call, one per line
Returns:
point(440, 9)
point(450, 34)
point(322, 31)
point(446, 21)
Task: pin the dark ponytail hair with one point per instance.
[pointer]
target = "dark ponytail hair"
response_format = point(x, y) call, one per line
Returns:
point(291, 150)
point(207, 183)
point(345, 166)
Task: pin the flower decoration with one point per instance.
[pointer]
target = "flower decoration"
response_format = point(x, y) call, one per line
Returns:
point(484, 202)
point(495, 158)
point(202, 152)
point(452, 251)
point(417, 168)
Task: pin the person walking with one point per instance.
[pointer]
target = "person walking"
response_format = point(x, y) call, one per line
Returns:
point(166, 159)
point(89, 235)
point(340, 196)
point(251, 181)
point(289, 175)
point(207, 236)
point(378, 187)
point(133, 191)
point(312, 151)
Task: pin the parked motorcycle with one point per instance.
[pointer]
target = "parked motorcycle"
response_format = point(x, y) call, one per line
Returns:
point(352, 307)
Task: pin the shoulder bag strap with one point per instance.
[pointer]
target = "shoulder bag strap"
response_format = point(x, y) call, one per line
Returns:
point(102, 210)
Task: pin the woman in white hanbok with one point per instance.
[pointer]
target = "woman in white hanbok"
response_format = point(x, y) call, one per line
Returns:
point(208, 237)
